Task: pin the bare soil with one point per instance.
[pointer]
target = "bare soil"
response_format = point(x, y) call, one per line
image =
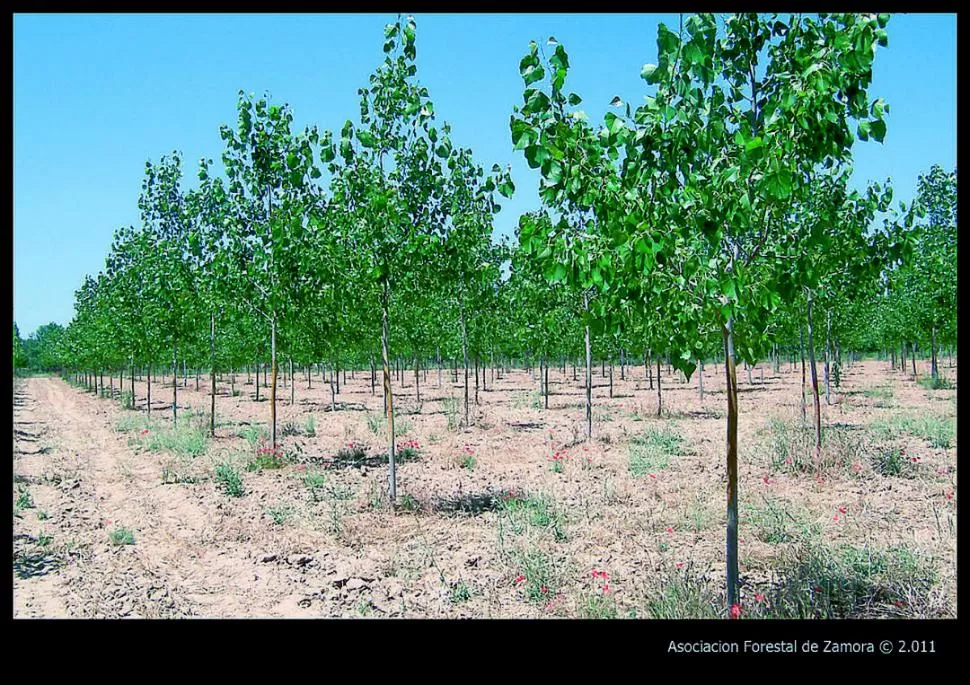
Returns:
point(313, 539)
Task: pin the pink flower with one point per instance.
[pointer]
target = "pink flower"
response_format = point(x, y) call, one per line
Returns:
point(544, 589)
point(836, 518)
point(766, 480)
point(759, 597)
point(519, 578)
point(606, 589)
point(669, 530)
point(301, 467)
point(788, 461)
point(856, 467)
point(900, 603)
point(145, 432)
point(949, 495)
point(841, 510)
point(652, 475)
point(735, 611)
point(679, 564)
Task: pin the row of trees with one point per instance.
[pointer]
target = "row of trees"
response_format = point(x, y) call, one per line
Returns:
point(716, 220)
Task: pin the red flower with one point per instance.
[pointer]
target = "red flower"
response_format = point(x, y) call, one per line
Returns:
point(818, 588)
point(836, 518)
point(915, 460)
point(735, 611)
point(606, 588)
point(519, 578)
point(788, 461)
point(841, 510)
point(857, 467)
point(669, 530)
point(145, 432)
point(652, 475)
point(543, 589)
point(767, 481)
point(679, 564)
point(900, 603)
point(759, 597)
point(949, 495)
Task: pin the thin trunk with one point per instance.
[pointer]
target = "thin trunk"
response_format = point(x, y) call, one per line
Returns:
point(660, 399)
point(212, 375)
point(175, 384)
point(815, 398)
point(292, 384)
point(828, 355)
point(257, 381)
point(748, 367)
point(476, 379)
point(732, 463)
point(933, 369)
point(650, 370)
point(438, 360)
point(622, 365)
point(336, 375)
point(801, 351)
point(464, 347)
point(272, 385)
point(417, 387)
point(700, 380)
point(912, 358)
point(148, 376)
point(385, 358)
point(589, 378)
point(546, 393)
point(373, 375)
point(131, 377)
point(611, 376)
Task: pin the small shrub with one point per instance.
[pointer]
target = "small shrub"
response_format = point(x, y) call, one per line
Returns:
point(310, 427)
point(126, 400)
point(891, 461)
point(120, 535)
point(378, 425)
point(409, 450)
point(253, 434)
point(289, 429)
point(468, 461)
point(683, 595)
point(459, 592)
point(229, 480)
point(42, 515)
point(278, 514)
point(410, 503)
point(24, 498)
point(267, 458)
point(450, 407)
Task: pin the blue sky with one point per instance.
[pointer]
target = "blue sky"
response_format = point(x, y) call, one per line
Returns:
point(96, 96)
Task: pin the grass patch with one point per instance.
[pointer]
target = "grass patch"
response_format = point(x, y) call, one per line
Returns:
point(683, 594)
point(651, 451)
point(378, 425)
point(187, 438)
point(824, 582)
point(229, 480)
point(24, 498)
point(774, 522)
point(938, 431)
point(536, 510)
point(892, 461)
point(941, 383)
point(120, 535)
point(449, 406)
point(253, 434)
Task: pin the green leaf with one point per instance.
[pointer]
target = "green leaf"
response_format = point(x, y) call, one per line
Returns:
point(864, 128)
point(647, 72)
point(878, 127)
point(556, 273)
point(574, 99)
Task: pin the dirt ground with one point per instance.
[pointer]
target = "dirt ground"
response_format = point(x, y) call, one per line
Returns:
point(313, 539)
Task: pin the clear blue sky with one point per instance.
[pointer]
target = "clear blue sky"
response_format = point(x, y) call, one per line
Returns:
point(95, 96)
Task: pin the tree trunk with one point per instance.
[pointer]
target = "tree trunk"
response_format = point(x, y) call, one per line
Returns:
point(464, 347)
point(732, 463)
point(828, 355)
point(438, 359)
point(272, 385)
point(385, 334)
point(131, 378)
point(148, 376)
point(660, 399)
point(622, 365)
point(611, 377)
point(801, 351)
point(336, 374)
point(815, 398)
point(933, 370)
point(212, 375)
point(292, 384)
point(912, 358)
point(175, 384)
point(650, 370)
point(700, 379)
point(417, 386)
point(257, 381)
point(589, 378)
point(546, 381)
point(373, 374)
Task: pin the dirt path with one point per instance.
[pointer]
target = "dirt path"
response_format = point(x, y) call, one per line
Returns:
point(83, 482)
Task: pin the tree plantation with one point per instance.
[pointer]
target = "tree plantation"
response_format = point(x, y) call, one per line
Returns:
point(711, 376)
